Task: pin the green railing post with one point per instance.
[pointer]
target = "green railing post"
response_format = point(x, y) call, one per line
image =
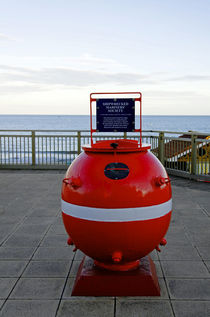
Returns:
point(78, 142)
point(33, 148)
point(125, 135)
point(0, 152)
point(161, 147)
point(193, 154)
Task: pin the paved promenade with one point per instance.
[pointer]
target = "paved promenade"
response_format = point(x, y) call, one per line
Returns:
point(37, 268)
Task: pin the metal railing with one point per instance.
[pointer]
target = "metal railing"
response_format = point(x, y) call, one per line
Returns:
point(182, 153)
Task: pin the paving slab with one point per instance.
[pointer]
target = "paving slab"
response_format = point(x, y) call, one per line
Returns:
point(16, 253)
point(58, 220)
point(198, 289)
point(207, 263)
point(158, 268)
point(31, 229)
point(52, 240)
point(6, 229)
point(47, 269)
point(198, 222)
point(68, 288)
point(198, 211)
point(32, 308)
point(179, 253)
point(1, 304)
point(79, 255)
point(44, 212)
point(6, 285)
point(12, 268)
point(57, 229)
point(206, 209)
point(191, 308)
point(145, 308)
point(5, 219)
point(204, 252)
point(200, 238)
point(86, 307)
point(154, 255)
point(54, 253)
point(38, 288)
point(22, 240)
point(178, 239)
point(74, 268)
point(185, 269)
point(34, 220)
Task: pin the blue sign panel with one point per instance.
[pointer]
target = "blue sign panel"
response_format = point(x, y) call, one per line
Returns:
point(115, 115)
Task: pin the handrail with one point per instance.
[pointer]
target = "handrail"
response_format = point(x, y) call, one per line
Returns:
point(151, 131)
point(58, 148)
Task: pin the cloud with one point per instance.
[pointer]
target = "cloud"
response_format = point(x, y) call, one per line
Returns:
point(24, 79)
point(19, 89)
point(166, 94)
point(88, 60)
point(11, 69)
point(193, 77)
point(4, 37)
point(80, 62)
point(69, 77)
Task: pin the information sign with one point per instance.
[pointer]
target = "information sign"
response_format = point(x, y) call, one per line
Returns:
point(115, 115)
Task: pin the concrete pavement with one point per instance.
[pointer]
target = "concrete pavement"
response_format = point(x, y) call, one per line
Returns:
point(37, 268)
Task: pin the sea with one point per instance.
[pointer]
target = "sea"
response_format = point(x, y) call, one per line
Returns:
point(62, 151)
point(82, 122)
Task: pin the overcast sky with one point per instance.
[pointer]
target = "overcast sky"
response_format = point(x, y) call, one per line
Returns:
point(54, 53)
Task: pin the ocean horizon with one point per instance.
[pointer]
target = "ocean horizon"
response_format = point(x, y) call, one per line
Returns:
point(182, 123)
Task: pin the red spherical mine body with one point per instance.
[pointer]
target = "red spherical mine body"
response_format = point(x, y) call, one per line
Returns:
point(116, 203)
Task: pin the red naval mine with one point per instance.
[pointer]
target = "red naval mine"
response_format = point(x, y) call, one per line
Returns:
point(116, 208)
point(116, 203)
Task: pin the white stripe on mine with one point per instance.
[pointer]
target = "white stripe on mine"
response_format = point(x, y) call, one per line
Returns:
point(116, 214)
